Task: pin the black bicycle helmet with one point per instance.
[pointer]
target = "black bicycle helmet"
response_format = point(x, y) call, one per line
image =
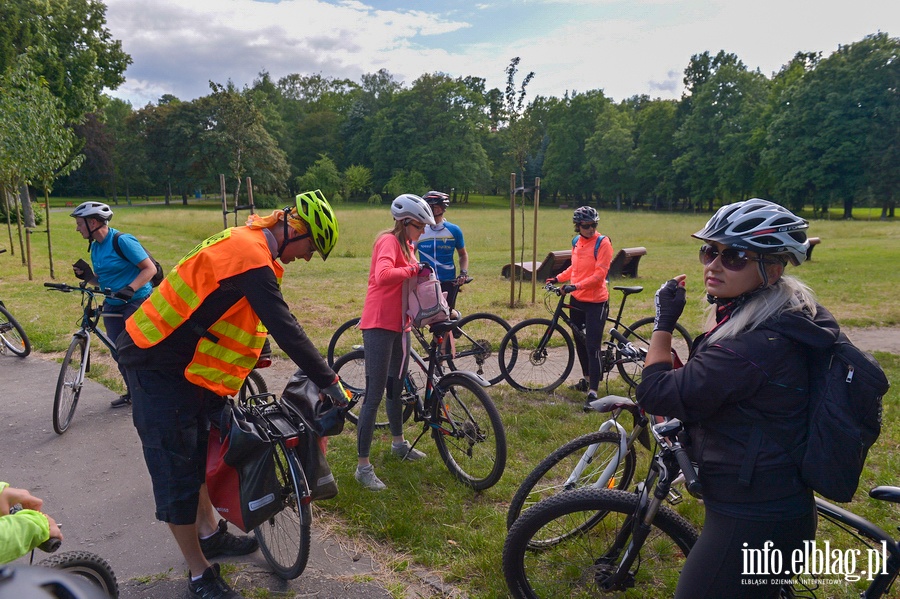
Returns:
point(585, 214)
point(760, 226)
point(33, 582)
point(97, 210)
point(437, 197)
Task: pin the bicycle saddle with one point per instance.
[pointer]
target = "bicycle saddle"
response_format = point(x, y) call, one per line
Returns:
point(439, 328)
point(885, 493)
point(629, 290)
point(608, 403)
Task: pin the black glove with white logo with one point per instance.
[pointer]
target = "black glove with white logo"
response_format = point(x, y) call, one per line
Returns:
point(669, 306)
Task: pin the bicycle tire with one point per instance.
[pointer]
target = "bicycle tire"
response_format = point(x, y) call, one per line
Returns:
point(343, 340)
point(351, 367)
point(578, 567)
point(478, 347)
point(526, 361)
point(69, 384)
point(285, 537)
point(13, 335)
point(549, 477)
point(639, 335)
point(470, 437)
point(254, 384)
point(88, 566)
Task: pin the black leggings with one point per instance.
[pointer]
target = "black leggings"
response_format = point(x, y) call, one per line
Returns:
point(592, 316)
point(714, 568)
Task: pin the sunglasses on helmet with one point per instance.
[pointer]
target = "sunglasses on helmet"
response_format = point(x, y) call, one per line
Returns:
point(731, 259)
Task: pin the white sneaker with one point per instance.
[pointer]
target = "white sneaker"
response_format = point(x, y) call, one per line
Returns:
point(405, 451)
point(365, 475)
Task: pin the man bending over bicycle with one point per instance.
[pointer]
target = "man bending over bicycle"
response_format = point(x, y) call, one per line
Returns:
point(591, 255)
point(27, 528)
point(182, 356)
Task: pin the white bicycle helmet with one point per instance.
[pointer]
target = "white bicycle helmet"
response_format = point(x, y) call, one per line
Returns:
point(412, 206)
point(97, 210)
point(760, 226)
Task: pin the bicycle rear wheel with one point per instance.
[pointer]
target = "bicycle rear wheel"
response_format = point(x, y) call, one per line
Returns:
point(639, 335)
point(285, 537)
point(478, 347)
point(13, 335)
point(351, 367)
point(551, 475)
point(470, 435)
point(69, 384)
point(88, 566)
point(580, 566)
point(254, 384)
point(344, 340)
point(536, 357)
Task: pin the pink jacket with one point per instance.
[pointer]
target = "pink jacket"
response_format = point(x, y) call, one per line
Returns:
point(383, 307)
point(586, 273)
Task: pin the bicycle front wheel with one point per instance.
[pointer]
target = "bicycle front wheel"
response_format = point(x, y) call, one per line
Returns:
point(639, 335)
point(285, 537)
point(254, 384)
point(582, 565)
point(69, 384)
point(88, 566)
point(344, 340)
point(536, 356)
point(13, 335)
point(552, 476)
point(469, 433)
point(351, 367)
point(478, 347)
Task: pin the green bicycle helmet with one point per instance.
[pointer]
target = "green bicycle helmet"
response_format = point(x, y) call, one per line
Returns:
point(314, 209)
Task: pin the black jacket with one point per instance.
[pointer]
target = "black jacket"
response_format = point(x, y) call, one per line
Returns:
point(724, 387)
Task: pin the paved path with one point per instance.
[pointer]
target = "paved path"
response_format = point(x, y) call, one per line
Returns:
point(94, 482)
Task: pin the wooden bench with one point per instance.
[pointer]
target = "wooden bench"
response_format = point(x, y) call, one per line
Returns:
point(552, 265)
point(624, 264)
point(813, 242)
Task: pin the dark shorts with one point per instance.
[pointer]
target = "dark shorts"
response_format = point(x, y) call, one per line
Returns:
point(171, 416)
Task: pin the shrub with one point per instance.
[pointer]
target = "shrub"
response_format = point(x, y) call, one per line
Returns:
point(374, 199)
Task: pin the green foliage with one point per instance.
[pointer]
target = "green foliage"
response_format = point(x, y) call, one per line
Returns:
point(406, 182)
point(374, 199)
point(268, 200)
point(323, 175)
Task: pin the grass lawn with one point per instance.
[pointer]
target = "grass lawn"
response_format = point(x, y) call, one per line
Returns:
point(424, 516)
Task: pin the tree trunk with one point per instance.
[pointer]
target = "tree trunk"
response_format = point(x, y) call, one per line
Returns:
point(27, 210)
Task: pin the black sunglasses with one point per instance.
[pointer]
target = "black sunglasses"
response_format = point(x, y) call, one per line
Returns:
point(732, 259)
point(586, 225)
point(416, 225)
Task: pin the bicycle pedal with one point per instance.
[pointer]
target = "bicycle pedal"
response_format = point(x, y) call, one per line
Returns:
point(674, 497)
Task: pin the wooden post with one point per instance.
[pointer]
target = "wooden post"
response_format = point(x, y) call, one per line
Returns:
point(512, 240)
point(28, 251)
point(250, 194)
point(19, 217)
point(224, 201)
point(537, 201)
point(12, 246)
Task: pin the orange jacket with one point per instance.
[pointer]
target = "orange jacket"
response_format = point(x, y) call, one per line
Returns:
point(587, 273)
point(229, 349)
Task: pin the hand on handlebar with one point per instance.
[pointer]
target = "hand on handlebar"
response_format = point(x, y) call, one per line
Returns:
point(11, 496)
point(337, 394)
point(125, 293)
point(552, 281)
point(568, 288)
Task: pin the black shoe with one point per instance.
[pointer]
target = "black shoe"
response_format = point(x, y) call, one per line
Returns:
point(587, 402)
point(121, 402)
point(224, 543)
point(581, 385)
point(211, 586)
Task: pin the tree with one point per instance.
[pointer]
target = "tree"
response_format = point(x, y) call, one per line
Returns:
point(71, 47)
point(322, 175)
point(655, 123)
point(357, 181)
point(609, 152)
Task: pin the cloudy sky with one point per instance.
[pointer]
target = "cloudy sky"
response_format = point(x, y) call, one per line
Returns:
point(624, 47)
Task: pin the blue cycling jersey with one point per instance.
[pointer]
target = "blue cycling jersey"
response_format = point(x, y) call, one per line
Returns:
point(112, 271)
point(436, 247)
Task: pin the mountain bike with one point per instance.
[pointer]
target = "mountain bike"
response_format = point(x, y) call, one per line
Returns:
point(285, 537)
point(77, 361)
point(603, 459)
point(12, 335)
point(588, 542)
point(538, 354)
point(453, 407)
point(83, 564)
point(476, 343)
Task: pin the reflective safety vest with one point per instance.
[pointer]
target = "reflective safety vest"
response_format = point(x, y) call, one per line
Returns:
point(228, 350)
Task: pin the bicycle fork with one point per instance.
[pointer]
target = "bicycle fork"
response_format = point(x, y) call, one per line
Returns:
point(607, 477)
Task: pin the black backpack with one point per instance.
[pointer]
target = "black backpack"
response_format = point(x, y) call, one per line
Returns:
point(158, 277)
point(846, 386)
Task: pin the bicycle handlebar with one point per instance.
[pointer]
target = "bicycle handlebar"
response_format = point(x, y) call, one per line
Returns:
point(66, 288)
point(667, 432)
point(50, 545)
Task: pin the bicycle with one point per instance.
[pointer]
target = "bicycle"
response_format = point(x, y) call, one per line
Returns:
point(475, 345)
point(587, 542)
point(603, 459)
point(538, 354)
point(12, 334)
point(463, 421)
point(285, 537)
point(83, 564)
point(77, 361)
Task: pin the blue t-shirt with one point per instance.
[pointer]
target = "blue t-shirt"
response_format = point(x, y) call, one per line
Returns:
point(115, 273)
point(436, 247)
